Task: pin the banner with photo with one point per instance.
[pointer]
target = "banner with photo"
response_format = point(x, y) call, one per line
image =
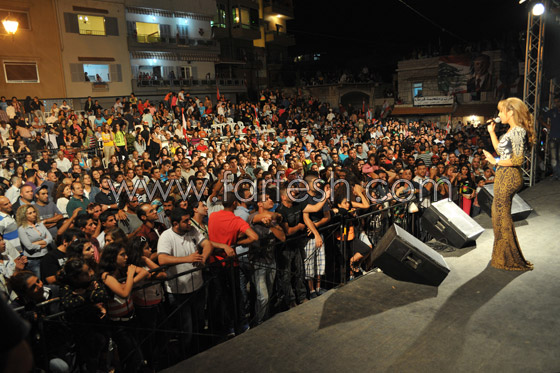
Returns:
point(465, 73)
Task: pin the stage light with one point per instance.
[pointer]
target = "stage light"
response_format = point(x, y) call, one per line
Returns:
point(538, 9)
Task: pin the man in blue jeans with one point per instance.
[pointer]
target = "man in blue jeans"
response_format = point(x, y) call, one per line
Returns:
point(262, 253)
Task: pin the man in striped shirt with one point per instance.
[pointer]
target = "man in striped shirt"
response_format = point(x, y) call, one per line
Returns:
point(8, 225)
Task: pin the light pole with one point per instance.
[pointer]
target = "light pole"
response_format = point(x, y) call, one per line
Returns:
point(532, 84)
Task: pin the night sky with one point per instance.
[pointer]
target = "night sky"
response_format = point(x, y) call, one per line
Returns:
point(384, 31)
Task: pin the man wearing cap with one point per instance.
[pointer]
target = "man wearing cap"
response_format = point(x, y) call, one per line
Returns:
point(48, 212)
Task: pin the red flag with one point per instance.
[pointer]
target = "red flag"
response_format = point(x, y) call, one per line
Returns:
point(184, 123)
point(448, 127)
point(217, 91)
point(256, 117)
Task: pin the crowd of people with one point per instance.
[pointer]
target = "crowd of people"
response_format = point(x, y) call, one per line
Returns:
point(212, 212)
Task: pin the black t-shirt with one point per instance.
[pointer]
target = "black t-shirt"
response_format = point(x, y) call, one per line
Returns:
point(52, 263)
point(313, 200)
point(105, 199)
point(291, 215)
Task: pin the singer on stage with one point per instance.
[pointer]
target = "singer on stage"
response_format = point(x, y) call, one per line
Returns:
point(509, 179)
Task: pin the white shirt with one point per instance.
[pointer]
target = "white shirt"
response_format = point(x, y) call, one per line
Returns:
point(63, 164)
point(12, 194)
point(171, 243)
point(5, 132)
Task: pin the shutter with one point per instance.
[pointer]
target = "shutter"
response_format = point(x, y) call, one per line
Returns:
point(111, 26)
point(131, 28)
point(135, 70)
point(182, 30)
point(194, 72)
point(116, 73)
point(77, 72)
point(71, 23)
point(166, 70)
point(165, 31)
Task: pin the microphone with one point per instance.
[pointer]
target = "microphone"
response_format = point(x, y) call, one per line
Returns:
point(496, 120)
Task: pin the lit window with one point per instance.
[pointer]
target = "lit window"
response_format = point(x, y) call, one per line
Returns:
point(97, 73)
point(243, 18)
point(417, 90)
point(147, 32)
point(91, 25)
point(21, 72)
point(220, 17)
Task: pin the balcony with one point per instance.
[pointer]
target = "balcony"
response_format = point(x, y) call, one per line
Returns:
point(245, 32)
point(282, 7)
point(156, 42)
point(196, 86)
point(280, 38)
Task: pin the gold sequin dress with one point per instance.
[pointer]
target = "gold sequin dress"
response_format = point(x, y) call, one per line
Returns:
point(509, 180)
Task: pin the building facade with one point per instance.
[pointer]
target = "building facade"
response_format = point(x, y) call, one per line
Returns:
point(253, 39)
point(95, 58)
point(31, 59)
point(465, 88)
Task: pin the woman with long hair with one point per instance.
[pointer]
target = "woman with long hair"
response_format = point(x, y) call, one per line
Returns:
point(62, 197)
point(120, 143)
point(148, 301)
point(34, 236)
point(511, 147)
point(81, 297)
point(467, 188)
point(9, 169)
point(108, 142)
point(119, 277)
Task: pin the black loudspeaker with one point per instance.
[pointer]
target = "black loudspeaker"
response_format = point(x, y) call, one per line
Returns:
point(404, 257)
point(520, 210)
point(447, 222)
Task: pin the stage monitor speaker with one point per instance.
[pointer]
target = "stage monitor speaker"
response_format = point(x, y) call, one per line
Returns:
point(520, 210)
point(447, 222)
point(404, 257)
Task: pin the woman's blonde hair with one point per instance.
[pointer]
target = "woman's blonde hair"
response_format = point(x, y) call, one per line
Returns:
point(521, 115)
point(21, 215)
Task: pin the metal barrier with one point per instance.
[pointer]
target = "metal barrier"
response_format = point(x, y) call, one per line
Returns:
point(162, 336)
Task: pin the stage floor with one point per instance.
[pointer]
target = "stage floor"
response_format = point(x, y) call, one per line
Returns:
point(479, 319)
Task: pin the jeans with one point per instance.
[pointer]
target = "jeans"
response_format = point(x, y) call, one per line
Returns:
point(34, 265)
point(555, 155)
point(263, 278)
point(245, 275)
point(291, 276)
point(188, 319)
point(225, 304)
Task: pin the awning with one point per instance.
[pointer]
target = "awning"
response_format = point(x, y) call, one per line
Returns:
point(482, 110)
point(412, 110)
point(177, 56)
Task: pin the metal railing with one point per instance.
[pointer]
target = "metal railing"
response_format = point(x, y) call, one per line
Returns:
point(165, 338)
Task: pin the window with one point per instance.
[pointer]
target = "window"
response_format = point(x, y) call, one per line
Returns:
point(220, 17)
point(417, 90)
point(185, 72)
point(147, 32)
point(245, 18)
point(21, 17)
point(96, 73)
point(21, 72)
point(91, 25)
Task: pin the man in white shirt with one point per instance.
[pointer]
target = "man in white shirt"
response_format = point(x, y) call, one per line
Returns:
point(63, 163)
point(13, 192)
point(4, 131)
point(179, 246)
